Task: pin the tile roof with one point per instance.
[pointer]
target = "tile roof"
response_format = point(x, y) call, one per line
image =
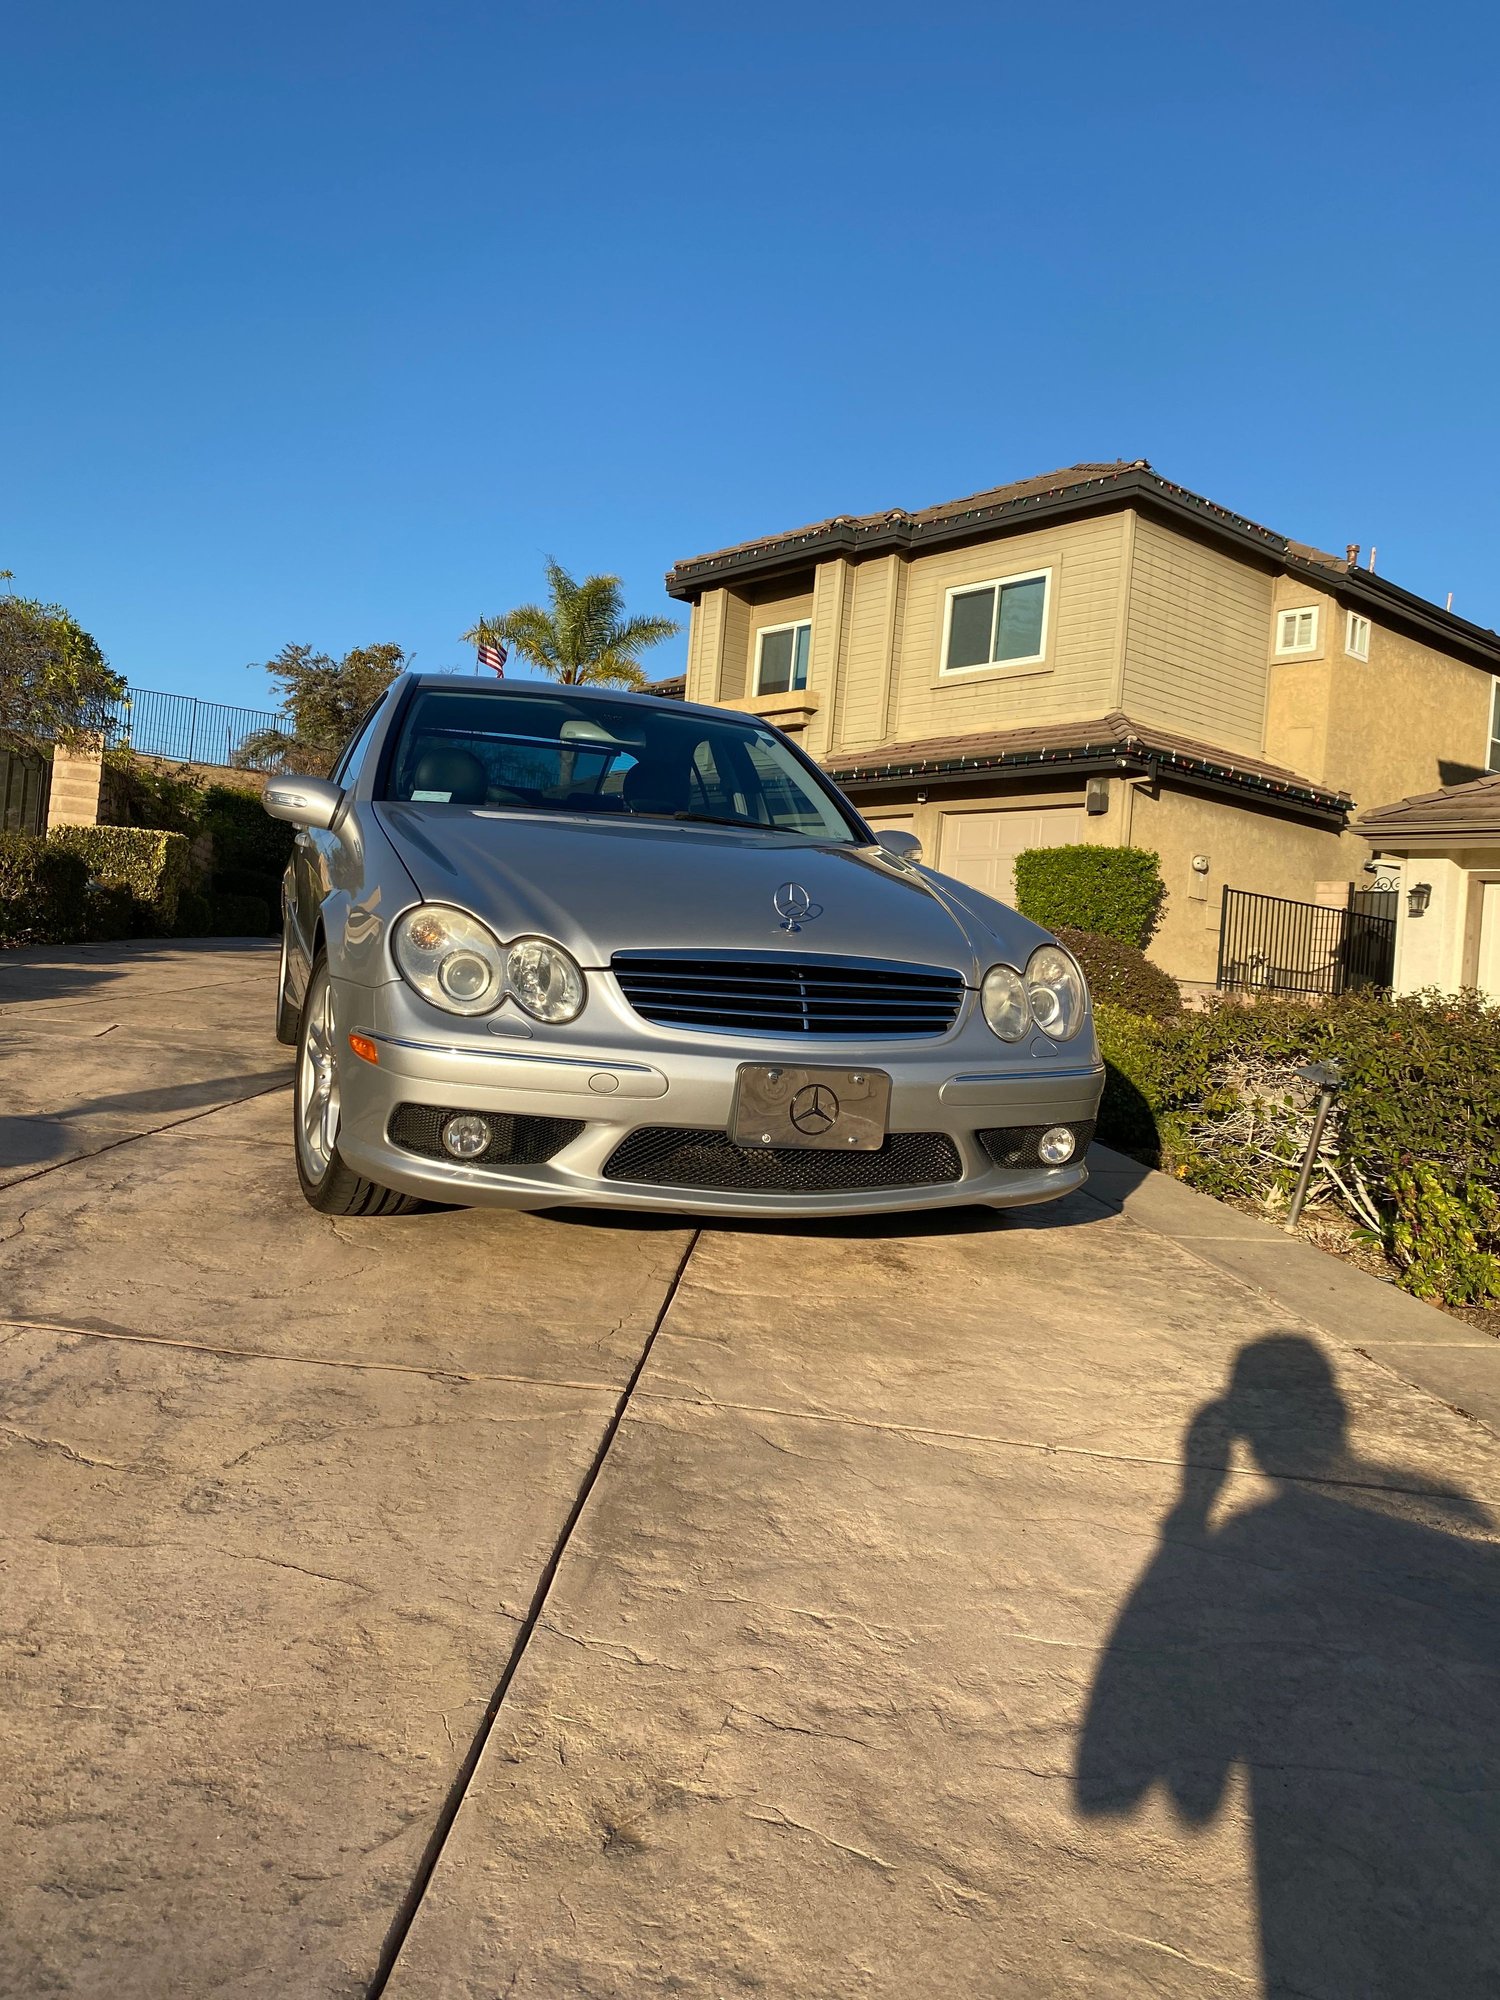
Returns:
point(1109, 736)
point(1460, 809)
point(994, 496)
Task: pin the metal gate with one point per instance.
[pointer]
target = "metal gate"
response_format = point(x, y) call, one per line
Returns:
point(25, 786)
point(1273, 944)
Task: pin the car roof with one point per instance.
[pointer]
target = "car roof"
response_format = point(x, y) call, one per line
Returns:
point(673, 704)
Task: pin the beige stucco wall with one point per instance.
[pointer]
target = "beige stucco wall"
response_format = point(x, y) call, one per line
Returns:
point(1246, 847)
point(1452, 944)
point(1196, 639)
point(1407, 720)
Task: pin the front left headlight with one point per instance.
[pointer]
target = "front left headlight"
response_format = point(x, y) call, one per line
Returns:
point(1055, 988)
point(544, 980)
point(450, 958)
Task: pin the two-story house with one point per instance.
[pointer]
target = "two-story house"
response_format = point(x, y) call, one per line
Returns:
point(1100, 655)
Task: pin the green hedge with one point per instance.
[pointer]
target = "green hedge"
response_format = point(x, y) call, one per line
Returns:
point(146, 869)
point(42, 892)
point(1213, 1097)
point(1113, 892)
point(1122, 976)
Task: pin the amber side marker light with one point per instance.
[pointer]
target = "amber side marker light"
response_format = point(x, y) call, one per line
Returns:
point(364, 1048)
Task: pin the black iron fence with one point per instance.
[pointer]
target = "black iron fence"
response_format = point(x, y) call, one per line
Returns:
point(25, 785)
point(1272, 944)
point(183, 730)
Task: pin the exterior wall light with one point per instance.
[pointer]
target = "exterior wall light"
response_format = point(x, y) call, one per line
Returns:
point(1418, 896)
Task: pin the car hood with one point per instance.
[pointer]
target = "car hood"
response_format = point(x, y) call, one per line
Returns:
point(599, 888)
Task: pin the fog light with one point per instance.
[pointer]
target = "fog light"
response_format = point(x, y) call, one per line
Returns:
point(466, 1136)
point(1056, 1146)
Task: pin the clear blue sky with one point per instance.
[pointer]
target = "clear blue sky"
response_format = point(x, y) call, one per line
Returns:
point(326, 322)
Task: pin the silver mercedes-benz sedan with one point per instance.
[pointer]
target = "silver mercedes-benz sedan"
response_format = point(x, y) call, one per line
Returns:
point(549, 945)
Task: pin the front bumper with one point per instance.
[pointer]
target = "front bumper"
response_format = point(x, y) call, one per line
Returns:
point(613, 1086)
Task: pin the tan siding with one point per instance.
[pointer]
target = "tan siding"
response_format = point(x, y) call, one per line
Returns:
point(705, 637)
point(1196, 651)
point(829, 591)
point(867, 652)
point(734, 669)
point(1077, 678)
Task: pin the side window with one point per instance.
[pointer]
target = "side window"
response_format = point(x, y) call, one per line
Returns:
point(349, 756)
point(712, 790)
point(785, 801)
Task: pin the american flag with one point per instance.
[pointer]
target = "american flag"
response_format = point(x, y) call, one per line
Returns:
point(493, 655)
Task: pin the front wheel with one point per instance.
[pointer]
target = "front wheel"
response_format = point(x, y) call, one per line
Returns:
point(332, 1187)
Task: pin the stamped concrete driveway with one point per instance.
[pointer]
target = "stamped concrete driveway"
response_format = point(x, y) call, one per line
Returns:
point(1093, 1601)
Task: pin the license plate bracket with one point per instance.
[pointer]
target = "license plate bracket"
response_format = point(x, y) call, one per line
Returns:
point(822, 1110)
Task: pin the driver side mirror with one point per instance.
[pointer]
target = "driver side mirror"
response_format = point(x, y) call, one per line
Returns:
point(899, 844)
point(309, 802)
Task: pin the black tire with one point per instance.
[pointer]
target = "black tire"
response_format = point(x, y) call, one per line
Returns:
point(288, 1017)
point(328, 1183)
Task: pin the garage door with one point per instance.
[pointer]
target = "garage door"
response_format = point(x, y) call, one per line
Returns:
point(980, 848)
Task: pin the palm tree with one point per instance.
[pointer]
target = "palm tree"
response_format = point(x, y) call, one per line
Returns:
point(585, 639)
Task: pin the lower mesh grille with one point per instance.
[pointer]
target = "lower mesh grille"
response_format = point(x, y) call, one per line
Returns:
point(1016, 1145)
point(516, 1142)
point(674, 1156)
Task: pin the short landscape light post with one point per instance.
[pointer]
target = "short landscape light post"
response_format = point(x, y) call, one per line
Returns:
point(1328, 1077)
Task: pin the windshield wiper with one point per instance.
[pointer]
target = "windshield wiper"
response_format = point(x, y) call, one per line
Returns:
point(729, 819)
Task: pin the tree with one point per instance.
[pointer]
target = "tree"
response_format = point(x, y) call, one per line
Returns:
point(584, 640)
point(55, 683)
point(322, 700)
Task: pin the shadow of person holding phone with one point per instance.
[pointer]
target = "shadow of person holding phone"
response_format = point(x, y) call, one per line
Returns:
point(1340, 1642)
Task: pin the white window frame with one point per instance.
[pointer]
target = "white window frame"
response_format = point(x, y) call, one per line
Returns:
point(1296, 611)
point(1492, 755)
point(1353, 621)
point(765, 631)
point(997, 584)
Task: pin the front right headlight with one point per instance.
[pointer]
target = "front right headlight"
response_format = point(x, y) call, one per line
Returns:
point(450, 958)
point(1003, 998)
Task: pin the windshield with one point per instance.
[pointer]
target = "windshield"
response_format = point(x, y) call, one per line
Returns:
point(555, 752)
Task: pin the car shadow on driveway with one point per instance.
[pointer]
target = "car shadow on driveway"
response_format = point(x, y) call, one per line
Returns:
point(1339, 1642)
point(41, 1139)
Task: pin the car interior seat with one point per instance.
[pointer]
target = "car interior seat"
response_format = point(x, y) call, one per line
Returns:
point(657, 785)
point(456, 776)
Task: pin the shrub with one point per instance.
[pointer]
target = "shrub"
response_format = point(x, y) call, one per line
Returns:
point(138, 795)
point(149, 866)
point(42, 892)
point(1414, 1138)
point(1115, 892)
point(1446, 1242)
point(247, 841)
point(1122, 975)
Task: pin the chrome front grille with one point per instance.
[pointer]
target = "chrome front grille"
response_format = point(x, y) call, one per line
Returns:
point(778, 994)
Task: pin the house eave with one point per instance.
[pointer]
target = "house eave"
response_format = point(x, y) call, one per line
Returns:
point(944, 773)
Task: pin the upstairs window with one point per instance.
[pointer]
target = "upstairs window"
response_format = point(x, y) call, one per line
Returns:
point(997, 624)
point(1297, 631)
point(1357, 635)
point(781, 658)
point(1495, 727)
